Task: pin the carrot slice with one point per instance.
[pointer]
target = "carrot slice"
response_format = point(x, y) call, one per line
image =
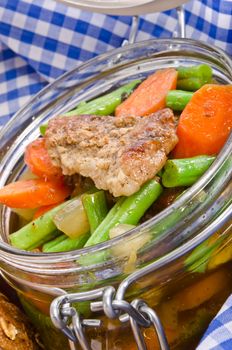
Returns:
point(42, 210)
point(193, 296)
point(201, 291)
point(37, 159)
point(150, 95)
point(206, 122)
point(33, 193)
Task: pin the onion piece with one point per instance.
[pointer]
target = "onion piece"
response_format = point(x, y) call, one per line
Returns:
point(72, 219)
point(26, 214)
point(119, 230)
point(221, 256)
point(129, 248)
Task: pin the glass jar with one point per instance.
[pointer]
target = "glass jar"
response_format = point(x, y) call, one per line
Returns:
point(185, 254)
point(125, 7)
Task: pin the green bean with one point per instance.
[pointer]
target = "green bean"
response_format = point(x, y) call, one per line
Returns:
point(127, 210)
point(197, 71)
point(190, 84)
point(104, 105)
point(43, 128)
point(53, 235)
point(198, 260)
point(36, 232)
point(178, 99)
point(185, 172)
point(65, 244)
point(54, 242)
point(194, 77)
point(95, 207)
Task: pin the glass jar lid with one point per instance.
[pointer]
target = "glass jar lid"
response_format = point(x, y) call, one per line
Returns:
point(124, 7)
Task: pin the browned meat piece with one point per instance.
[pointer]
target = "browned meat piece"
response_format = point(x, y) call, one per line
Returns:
point(16, 332)
point(118, 153)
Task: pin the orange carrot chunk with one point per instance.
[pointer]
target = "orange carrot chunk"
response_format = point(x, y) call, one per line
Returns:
point(37, 159)
point(206, 122)
point(33, 193)
point(150, 95)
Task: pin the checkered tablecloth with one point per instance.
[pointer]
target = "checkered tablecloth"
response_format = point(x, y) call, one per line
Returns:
point(219, 333)
point(41, 39)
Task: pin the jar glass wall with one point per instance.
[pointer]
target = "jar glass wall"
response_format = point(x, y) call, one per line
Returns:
point(201, 214)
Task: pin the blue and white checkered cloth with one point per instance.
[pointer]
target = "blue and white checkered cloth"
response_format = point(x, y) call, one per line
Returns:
point(219, 333)
point(41, 39)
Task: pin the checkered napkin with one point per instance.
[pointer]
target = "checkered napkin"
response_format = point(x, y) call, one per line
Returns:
point(219, 334)
point(41, 39)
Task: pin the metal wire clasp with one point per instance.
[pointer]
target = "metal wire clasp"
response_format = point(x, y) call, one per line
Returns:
point(66, 318)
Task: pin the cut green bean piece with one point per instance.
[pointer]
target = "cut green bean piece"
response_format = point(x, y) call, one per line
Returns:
point(178, 99)
point(37, 231)
point(104, 105)
point(185, 172)
point(54, 242)
point(53, 235)
point(42, 129)
point(127, 210)
point(197, 71)
point(194, 77)
point(66, 244)
point(198, 260)
point(95, 207)
point(190, 84)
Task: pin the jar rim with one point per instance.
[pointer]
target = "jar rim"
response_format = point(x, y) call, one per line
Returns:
point(220, 159)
